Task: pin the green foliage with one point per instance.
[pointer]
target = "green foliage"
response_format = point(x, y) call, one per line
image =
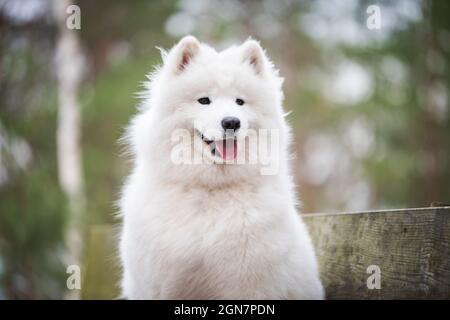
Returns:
point(32, 208)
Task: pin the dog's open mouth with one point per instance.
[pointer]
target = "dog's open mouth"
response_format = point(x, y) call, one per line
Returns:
point(226, 148)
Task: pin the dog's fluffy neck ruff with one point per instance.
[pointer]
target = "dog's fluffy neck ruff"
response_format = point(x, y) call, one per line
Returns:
point(209, 178)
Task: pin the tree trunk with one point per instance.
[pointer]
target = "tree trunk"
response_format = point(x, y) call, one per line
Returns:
point(69, 64)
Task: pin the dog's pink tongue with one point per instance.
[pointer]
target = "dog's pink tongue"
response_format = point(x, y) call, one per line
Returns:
point(227, 149)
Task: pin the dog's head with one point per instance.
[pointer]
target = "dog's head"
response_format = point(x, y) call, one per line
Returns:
point(218, 97)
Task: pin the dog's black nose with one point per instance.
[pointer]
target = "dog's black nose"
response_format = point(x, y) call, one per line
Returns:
point(231, 123)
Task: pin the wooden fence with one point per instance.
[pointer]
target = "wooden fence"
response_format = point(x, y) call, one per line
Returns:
point(406, 253)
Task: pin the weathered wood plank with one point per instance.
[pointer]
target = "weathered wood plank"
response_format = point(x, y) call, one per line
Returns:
point(411, 247)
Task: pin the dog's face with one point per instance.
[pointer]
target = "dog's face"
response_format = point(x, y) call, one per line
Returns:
point(220, 96)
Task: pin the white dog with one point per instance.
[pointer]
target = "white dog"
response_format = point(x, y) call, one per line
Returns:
point(214, 230)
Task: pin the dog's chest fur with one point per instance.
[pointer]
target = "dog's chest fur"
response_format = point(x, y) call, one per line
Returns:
point(192, 247)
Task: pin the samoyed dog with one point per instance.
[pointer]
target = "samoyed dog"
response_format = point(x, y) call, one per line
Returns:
point(218, 228)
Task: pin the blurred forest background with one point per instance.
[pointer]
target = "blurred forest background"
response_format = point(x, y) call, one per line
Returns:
point(370, 108)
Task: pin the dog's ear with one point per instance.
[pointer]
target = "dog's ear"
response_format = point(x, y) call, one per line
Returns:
point(254, 55)
point(184, 52)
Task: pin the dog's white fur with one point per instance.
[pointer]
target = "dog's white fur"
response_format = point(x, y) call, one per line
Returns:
point(212, 231)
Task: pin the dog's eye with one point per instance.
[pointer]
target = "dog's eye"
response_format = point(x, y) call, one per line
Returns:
point(240, 102)
point(204, 100)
